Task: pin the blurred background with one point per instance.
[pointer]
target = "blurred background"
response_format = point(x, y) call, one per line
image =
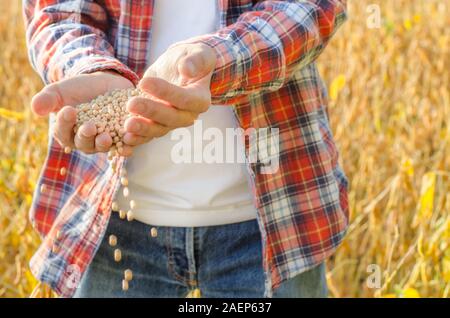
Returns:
point(388, 75)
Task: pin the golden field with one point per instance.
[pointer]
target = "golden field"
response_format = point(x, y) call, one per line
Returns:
point(390, 111)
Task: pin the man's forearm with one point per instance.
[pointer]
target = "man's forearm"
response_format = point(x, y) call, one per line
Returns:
point(267, 45)
point(65, 40)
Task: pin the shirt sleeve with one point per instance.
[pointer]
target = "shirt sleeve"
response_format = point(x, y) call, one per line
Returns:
point(67, 38)
point(265, 46)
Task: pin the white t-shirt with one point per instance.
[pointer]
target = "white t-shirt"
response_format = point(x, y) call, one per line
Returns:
point(168, 193)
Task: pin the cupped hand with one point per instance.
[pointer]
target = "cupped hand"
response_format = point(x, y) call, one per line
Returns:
point(61, 97)
point(178, 89)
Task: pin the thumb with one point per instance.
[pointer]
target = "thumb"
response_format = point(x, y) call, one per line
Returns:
point(197, 64)
point(47, 100)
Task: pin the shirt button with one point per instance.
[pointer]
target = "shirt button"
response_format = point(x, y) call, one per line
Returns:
point(62, 171)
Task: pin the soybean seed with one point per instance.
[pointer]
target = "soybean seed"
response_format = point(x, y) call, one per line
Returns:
point(112, 240)
point(115, 206)
point(128, 275)
point(117, 255)
point(124, 181)
point(124, 285)
point(130, 216)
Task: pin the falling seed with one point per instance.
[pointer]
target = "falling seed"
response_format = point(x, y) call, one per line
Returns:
point(128, 275)
point(112, 240)
point(62, 171)
point(58, 235)
point(130, 216)
point(67, 150)
point(124, 181)
point(115, 206)
point(132, 204)
point(126, 192)
point(122, 214)
point(124, 285)
point(43, 188)
point(154, 232)
point(117, 255)
point(55, 249)
point(114, 166)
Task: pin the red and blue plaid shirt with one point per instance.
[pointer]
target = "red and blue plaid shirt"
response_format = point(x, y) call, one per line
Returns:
point(266, 69)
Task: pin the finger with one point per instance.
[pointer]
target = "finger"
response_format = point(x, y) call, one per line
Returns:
point(135, 140)
point(127, 151)
point(186, 98)
point(198, 63)
point(161, 112)
point(48, 100)
point(85, 137)
point(103, 142)
point(63, 129)
point(143, 127)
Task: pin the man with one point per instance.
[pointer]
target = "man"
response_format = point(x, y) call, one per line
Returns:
point(230, 230)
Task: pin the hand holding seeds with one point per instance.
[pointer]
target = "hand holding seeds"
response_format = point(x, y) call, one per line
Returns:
point(94, 111)
point(179, 85)
point(63, 96)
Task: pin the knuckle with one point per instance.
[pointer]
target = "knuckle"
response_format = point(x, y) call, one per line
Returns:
point(150, 111)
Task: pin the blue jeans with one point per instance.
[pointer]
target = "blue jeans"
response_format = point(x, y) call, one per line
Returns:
point(222, 261)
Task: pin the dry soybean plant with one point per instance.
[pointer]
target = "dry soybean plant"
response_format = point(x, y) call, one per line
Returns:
point(108, 113)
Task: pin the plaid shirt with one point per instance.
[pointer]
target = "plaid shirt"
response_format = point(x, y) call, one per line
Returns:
point(265, 69)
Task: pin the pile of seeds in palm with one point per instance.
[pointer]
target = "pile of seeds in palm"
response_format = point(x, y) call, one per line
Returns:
point(108, 112)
